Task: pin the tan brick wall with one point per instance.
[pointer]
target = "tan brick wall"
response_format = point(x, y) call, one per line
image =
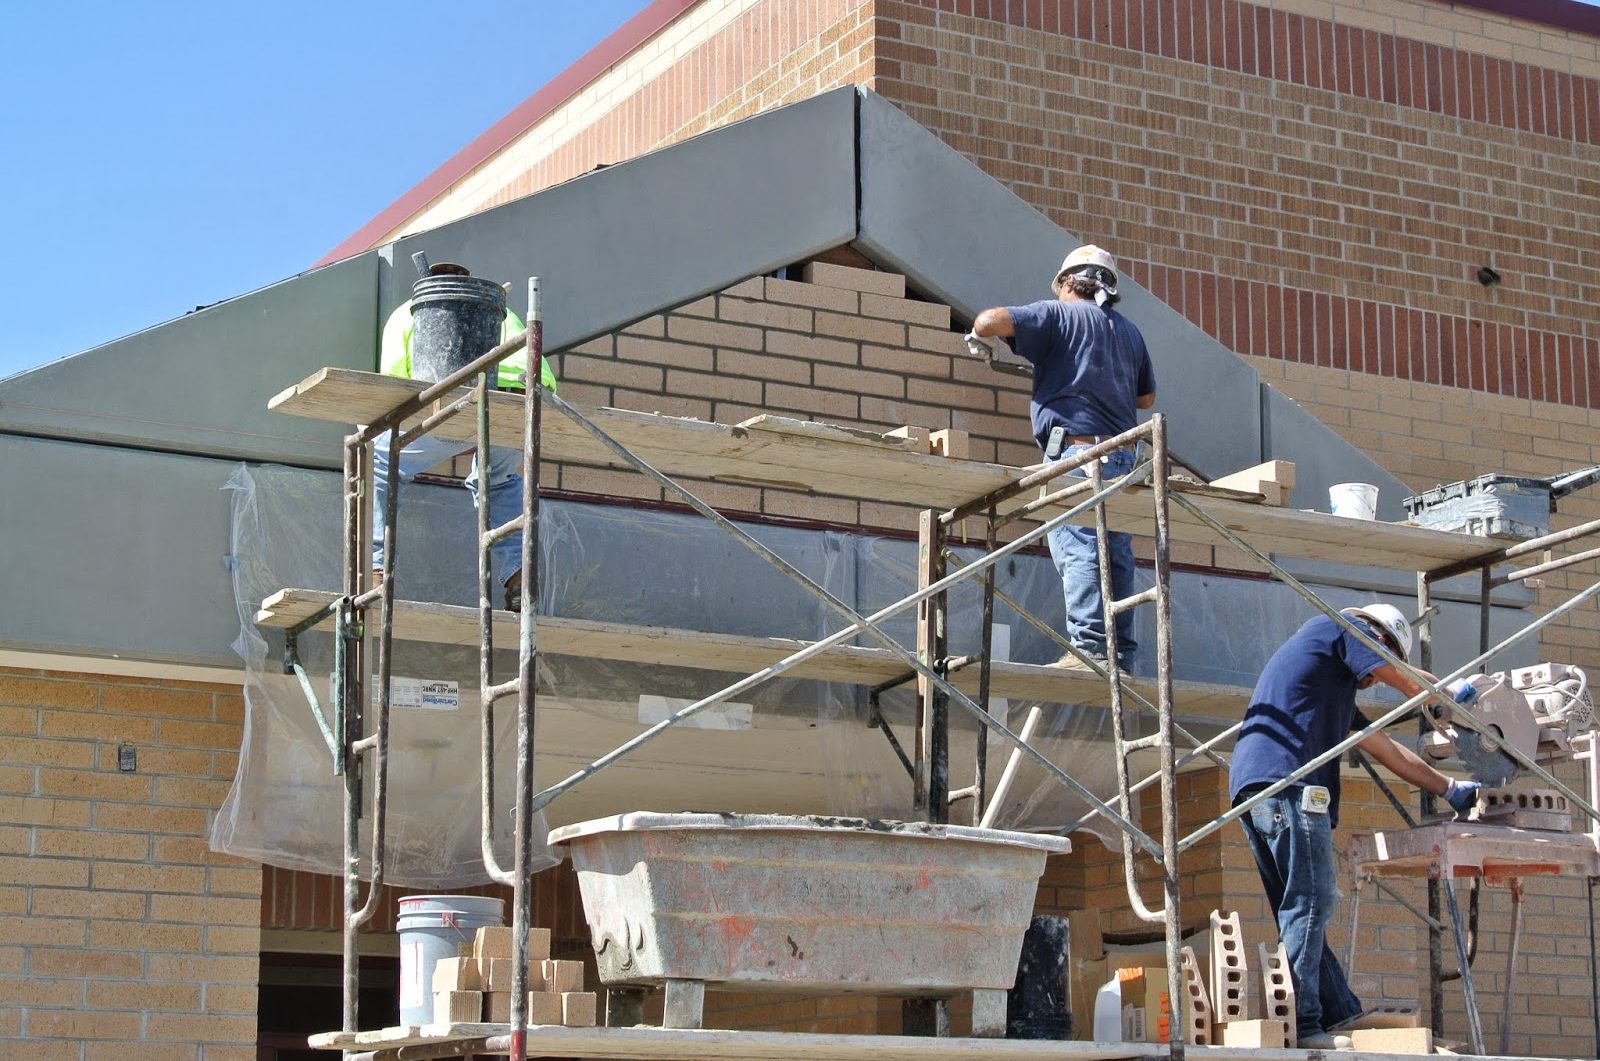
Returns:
point(121, 934)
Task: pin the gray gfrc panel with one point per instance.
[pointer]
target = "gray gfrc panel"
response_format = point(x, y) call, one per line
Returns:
point(118, 552)
point(1322, 458)
point(633, 239)
point(199, 384)
point(961, 237)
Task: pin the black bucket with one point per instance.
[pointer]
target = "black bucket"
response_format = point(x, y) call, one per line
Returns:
point(454, 321)
point(1037, 1008)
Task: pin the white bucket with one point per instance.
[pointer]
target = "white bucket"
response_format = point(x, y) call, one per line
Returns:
point(1356, 500)
point(434, 927)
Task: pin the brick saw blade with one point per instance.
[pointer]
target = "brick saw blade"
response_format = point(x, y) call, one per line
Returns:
point(1490, 767)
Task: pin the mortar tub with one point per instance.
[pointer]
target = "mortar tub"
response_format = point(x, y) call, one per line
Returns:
point(782, 903)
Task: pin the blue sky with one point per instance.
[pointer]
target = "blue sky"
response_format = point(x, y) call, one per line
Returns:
point(167, 155)
point(173, 154)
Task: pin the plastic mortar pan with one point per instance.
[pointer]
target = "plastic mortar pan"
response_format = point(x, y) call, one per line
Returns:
point(802, 903)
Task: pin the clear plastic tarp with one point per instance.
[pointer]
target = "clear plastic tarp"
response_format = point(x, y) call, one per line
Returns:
point(790, 746)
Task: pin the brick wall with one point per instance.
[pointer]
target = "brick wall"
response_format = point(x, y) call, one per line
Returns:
point(121, 934)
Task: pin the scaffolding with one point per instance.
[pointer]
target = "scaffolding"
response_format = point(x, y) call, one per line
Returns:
point(1146, 498)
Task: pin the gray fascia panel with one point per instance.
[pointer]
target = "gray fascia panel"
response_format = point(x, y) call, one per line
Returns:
point(200, 384)
point(631, 240)
point(961, 237)
point(116, 552)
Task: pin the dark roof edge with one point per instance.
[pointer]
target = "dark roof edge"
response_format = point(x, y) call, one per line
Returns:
point(1562, 14)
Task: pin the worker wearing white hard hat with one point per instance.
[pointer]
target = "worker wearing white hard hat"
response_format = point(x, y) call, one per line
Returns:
point(1091, 377)
point(1305, 703)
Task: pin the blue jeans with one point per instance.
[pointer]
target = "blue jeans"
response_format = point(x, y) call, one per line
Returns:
point(1077, 562)
point(505, 490)
point(1294, 855)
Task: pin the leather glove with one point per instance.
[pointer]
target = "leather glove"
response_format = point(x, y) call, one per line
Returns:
point(1462, 795)
point(1463, 692)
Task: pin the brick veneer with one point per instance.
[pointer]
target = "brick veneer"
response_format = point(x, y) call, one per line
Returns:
point(121, 934)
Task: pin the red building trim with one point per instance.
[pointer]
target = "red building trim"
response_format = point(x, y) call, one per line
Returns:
point(630, 35)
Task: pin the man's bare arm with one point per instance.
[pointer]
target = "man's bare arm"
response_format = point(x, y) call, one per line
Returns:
point(1404, 763)
point(996, 321)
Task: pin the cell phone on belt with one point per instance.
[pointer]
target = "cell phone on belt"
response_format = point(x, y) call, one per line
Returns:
point(1053, 449)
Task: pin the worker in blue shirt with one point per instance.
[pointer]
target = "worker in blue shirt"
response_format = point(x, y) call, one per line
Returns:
point(1091, 376)
point(1304, 704)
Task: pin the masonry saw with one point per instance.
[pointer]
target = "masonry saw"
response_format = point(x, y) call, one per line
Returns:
point(1536, 710)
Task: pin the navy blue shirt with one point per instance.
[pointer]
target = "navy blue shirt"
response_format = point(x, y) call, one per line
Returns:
point(1304, 703)
point(1090, 367)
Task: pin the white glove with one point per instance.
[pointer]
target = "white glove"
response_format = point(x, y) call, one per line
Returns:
point(976, 346)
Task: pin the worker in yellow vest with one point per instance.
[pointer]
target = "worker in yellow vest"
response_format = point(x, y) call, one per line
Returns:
point(426, 451)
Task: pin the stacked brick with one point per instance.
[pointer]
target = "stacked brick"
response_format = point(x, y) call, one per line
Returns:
point(479, 987)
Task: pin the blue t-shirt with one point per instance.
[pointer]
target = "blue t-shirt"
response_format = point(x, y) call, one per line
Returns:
point(1090, 367)
point(1304, 703)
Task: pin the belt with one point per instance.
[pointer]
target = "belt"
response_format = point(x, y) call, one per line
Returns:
point(1089, 440)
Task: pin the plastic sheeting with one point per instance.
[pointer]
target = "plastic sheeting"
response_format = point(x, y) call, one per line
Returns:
point(788, 747)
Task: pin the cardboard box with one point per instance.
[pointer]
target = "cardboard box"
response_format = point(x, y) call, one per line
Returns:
point(1086, 977)
point(1134, 1006)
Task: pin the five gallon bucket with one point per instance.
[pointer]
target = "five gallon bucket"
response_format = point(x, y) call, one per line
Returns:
point(433, 927)
point(1356, 500)
point(454, 321)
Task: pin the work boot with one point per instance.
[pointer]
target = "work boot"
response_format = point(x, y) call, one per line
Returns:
point(1325, 1041)
point(514, 591)
point(1068, 661)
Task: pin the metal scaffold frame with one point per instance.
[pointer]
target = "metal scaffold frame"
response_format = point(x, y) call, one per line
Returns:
point(358, 740)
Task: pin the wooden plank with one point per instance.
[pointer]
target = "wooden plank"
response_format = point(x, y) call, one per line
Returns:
point(681, 1044)
point(817, 459)
point(450, 624)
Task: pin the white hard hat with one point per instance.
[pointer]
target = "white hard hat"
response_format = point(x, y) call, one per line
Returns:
point(1395, 626)
point(1088, 255)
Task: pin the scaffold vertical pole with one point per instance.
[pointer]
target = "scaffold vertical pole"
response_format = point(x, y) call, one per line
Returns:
point(1167, 751)
point(527, 690)
point(933, 709)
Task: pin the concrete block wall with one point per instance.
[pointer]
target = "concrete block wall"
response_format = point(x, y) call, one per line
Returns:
point(121, 934)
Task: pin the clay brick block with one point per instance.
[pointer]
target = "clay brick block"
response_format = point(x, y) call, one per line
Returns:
point(1230, 991)
point(544, 1007)
point(921, 434)
point(563, 977)
point(457, 1007)
point(879, 283)
point(1196, 1007)
point(578, 1009)
point(951, 442)
point(1393, 1040)
point(1277, 989)
point(1256, 1034)
point(456, 974)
